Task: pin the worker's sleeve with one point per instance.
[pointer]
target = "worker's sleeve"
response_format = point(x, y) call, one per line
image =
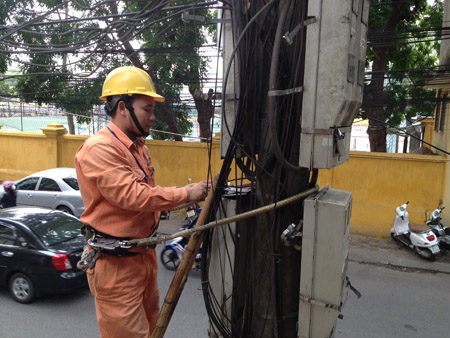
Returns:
point(124, 185)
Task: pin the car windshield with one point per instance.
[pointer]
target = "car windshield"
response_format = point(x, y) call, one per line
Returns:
point(72, 182)
point(55, 227)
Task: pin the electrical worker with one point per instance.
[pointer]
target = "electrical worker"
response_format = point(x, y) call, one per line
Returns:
point(122, 202)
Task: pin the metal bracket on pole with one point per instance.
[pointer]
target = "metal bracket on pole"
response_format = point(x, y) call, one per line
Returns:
point(289, 36)
point(284, 92)
point(186, 17)
point(232, 96)
point(338, 131)
point(319, 303)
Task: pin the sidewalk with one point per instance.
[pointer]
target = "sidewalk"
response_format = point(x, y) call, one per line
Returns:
point(363, 249)
point(387, 252)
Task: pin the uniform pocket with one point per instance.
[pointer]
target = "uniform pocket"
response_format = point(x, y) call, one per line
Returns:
point(113, 275)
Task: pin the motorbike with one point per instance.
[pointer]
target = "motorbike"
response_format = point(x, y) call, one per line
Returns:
point(171, 255)
point(192, 212)
point(442, 232)
point(165, 214)
point(418, 237)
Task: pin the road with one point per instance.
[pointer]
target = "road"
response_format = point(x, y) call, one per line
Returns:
point(73, 315)
point(395, 303)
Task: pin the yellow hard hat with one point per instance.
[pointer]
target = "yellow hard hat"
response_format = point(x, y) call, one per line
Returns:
point(129, 80)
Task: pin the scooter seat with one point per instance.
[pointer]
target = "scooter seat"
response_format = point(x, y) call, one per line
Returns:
point(418, 228)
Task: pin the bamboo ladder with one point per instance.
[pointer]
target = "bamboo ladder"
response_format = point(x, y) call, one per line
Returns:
point(183, 270)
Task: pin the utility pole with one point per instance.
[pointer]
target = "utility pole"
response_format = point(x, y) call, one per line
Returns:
point(300, 74)
point(266, 273)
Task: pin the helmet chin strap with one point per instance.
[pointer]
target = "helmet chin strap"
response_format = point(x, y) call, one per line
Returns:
point(136, 122)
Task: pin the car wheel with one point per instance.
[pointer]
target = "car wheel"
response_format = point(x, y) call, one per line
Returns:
point(21, 288)
point(65, 209)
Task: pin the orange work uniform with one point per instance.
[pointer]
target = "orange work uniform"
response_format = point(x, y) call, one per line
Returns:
point(121, 200)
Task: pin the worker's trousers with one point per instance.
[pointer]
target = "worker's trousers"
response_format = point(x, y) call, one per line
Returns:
point(126, 294)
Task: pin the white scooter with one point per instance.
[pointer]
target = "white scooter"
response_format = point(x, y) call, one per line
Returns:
point(415, 236)
point(442, 232)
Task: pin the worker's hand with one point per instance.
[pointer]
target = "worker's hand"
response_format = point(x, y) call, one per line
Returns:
point(197, 191)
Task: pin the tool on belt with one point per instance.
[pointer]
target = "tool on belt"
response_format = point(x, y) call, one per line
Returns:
point(102, 243)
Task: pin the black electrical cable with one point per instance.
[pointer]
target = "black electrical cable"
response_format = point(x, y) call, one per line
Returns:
point(272, 86)
point(405, 132)
point(249, 66)
point(100, 18)
point(242, 35)
point(222, 178)
point(76, 47)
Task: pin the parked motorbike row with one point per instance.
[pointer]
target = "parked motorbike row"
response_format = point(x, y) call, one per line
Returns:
point(427, 240)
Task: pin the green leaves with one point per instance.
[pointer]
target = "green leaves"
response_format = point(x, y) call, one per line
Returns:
point(65, 54)
point(409, 34)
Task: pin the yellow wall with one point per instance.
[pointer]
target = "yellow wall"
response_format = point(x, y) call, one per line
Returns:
point(24, 153)
point(21, 154)
point(176, 162)
point(379, 181)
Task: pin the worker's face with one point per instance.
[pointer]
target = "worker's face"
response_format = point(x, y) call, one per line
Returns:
point(143, 108)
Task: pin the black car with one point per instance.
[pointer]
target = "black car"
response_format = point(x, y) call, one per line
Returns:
point(39, 251)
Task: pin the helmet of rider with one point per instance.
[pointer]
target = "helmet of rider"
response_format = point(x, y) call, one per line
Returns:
point(129, 80)
point(8, 185)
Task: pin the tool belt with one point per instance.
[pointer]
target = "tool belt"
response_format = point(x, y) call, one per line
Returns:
point(103, 243)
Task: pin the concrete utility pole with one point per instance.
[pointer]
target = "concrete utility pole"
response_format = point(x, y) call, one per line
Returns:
point(295, 88)
point(276, 304)
point(266, 273)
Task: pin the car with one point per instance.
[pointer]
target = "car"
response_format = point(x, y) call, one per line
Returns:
point(39, 251)
point(55, 188)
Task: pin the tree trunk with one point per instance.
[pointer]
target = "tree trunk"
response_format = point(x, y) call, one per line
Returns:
point(71, 124)
point(374, 94)
point(205, 111)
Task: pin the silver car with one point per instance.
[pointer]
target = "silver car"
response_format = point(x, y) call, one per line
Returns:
point(55, 188)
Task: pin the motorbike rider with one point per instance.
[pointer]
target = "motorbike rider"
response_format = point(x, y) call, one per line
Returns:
point(10, 196)
point(121, 201)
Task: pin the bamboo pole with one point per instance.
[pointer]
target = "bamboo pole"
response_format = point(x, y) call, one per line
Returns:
point(183, 270)
point(160, 238)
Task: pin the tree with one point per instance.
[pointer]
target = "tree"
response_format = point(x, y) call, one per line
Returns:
point(100, 37)
point(401, 56)
point(186, 66)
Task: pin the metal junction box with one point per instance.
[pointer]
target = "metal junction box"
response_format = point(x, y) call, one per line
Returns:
point(334, 78)
point(324, 261)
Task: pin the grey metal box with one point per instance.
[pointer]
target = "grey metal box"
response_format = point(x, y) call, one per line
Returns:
point(334, 77)
point(324, 261)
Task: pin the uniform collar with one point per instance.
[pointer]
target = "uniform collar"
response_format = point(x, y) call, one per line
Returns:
point(124, 138)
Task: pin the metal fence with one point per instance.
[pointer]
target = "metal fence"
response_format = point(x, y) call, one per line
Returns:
point(31, 117)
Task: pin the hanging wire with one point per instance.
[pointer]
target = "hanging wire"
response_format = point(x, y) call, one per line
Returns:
point(365, 116)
